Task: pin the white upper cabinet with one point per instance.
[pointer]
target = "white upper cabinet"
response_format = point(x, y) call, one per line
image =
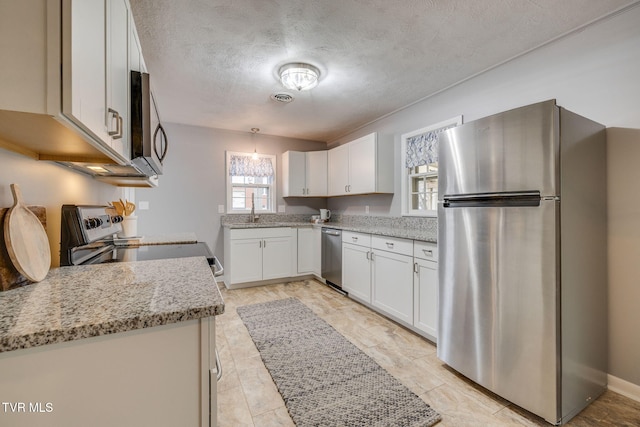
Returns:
point(304, 174)
point(117, 81)
point(84, 66)
point(338, 170)
point(66, 91)
point(362, 166)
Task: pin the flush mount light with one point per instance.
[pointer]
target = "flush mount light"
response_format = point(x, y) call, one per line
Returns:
point(299, 76)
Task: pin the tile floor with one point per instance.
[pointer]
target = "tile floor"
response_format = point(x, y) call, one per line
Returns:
point(248, 397)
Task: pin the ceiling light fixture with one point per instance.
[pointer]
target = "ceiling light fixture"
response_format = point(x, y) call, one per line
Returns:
point(254, 156)
point(299, 76)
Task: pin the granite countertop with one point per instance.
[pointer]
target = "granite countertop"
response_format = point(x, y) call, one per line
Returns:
point(259, 224)
point(427, 235)
point(175, 238)
point(79, 302)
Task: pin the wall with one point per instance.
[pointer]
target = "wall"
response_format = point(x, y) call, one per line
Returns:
point(595, 73)
point(624, 252)
point(193, 184)
point(49, 185)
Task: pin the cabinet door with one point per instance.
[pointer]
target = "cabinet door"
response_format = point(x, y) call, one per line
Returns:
point(338, 166)
point(362, 165)
point(393, 284)
point(293, 174)
point(276, 257)
point(316, 173)
point(246, 260)
point(84, 65)
point(306, 250)
point(425, 315)
point(356, 271)
point(117, 82)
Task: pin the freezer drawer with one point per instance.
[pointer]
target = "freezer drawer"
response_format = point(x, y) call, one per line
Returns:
point(498, 284)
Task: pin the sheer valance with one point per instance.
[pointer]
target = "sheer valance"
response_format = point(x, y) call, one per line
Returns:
point(422, 149)
point(247, 166)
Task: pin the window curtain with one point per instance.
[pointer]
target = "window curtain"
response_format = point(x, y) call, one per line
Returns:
point(246, 166)
point(423, 149)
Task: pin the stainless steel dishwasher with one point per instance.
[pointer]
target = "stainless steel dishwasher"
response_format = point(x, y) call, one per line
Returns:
point(332, 257)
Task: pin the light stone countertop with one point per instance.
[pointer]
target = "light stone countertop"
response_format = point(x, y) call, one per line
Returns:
point(241, 225)
point(427, 235)
point(78, 302)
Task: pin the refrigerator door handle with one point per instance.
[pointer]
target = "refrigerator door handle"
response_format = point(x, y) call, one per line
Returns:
point(520, 198)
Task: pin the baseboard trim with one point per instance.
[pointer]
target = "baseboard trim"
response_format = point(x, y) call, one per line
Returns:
point(625, 388)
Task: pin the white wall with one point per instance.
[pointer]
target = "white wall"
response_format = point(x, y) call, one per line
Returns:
point(193, 183)
point(50, 185)
point(594, 73)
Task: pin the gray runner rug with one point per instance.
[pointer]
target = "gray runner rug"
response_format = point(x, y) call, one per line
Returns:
point(323, 378)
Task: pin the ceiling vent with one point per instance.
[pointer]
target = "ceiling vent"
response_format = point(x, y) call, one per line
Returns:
point(282, 97)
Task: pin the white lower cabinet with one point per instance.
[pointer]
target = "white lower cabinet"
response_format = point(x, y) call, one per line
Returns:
point(276, 257)
point(253, 255)
point(356, 265)
point(392, 277)
point(309, 246)
point(159, 376)
point(425, 282)
point(396, 277)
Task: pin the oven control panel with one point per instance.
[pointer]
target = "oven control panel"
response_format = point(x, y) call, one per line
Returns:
point(99, 222)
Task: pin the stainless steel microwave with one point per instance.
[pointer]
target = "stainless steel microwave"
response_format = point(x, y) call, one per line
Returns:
point(148, 138)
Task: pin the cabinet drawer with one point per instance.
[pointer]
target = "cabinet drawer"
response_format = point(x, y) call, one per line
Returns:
point(361, 239)
point(392, 244)
point(259, 233)
point(425, 250)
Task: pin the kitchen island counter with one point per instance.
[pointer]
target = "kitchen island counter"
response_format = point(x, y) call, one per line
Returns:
point(78, 302)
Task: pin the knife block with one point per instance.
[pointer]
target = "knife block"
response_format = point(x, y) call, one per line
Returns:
point(10, 277)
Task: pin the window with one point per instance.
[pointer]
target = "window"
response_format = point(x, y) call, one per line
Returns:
point(251, 181)
point(419, 154)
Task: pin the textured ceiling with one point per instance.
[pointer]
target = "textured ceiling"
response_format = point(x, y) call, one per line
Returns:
point(213, 63)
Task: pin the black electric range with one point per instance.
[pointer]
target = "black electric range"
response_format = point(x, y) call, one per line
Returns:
point(87, 237)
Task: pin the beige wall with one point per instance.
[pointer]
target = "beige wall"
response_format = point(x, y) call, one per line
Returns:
point(193, 184)
point(623, 156)
point(49, 185)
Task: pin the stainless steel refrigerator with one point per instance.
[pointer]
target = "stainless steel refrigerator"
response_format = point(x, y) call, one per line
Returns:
point(523, 257)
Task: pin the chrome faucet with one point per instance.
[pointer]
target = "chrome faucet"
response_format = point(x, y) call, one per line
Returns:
point(253, 217)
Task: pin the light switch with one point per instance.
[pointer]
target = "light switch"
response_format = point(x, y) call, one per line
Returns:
point(220, 208)
point(143, 205)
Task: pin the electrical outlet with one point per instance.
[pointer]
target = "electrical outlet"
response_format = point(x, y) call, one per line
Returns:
point(143, 206)
point(220, 208)
point(366, 209)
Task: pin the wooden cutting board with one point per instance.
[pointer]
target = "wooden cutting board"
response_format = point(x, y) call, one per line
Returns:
point(11, 278)
point(26, 240)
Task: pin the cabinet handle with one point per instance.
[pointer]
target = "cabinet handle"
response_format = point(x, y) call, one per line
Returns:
point(428, 252)
point(116, 134)
point(355, 239)
point(264, 243)
point(368, 253)
point(372, 258)
point(390, 245)
point(260, 244)
point(345, 189)
point(349, 188)
point(416, 269)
